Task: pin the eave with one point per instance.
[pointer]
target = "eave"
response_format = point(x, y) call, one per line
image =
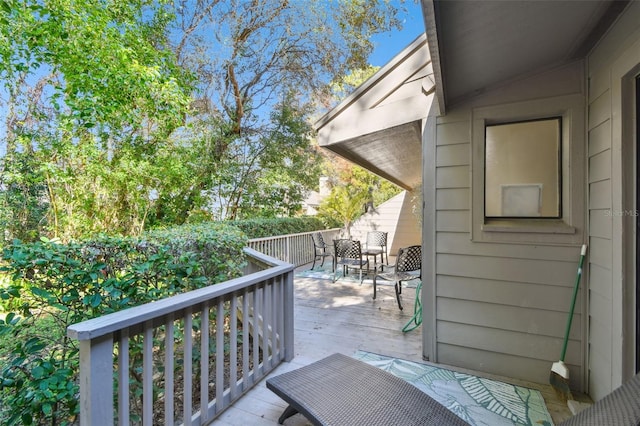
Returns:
point(379, 126)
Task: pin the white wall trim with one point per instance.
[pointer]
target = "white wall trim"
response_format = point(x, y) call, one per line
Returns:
point(429, 139)
point(623, 73)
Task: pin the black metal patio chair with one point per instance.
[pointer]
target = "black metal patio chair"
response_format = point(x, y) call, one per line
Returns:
point(408, 262)
point(348, 254)
point(375, 245)
point(320, 249)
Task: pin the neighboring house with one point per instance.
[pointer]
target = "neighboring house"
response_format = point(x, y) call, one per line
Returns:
point(311, 204)
point(503, 223)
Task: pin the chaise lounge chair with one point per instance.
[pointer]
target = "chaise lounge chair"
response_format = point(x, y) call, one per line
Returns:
point(340, 391)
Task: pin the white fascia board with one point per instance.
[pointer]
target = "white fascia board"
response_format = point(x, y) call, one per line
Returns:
point(378, 87)
point(370, 121)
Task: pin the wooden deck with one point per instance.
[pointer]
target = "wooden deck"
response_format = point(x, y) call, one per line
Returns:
point(343, 317)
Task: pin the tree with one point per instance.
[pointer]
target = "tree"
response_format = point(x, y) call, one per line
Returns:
point(138, 113)
point(346, 204)
point(22, 206)
point(89, 88)
point(251, 57)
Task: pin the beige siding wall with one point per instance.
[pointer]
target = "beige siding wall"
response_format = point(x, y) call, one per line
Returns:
point(395, 216)
point(500, 307)
point(611, 68)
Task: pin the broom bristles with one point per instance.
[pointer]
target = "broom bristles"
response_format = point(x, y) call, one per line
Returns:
point(560, 386)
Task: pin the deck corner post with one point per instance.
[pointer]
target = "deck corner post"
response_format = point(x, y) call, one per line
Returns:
point(96, 381)
point(288, 316)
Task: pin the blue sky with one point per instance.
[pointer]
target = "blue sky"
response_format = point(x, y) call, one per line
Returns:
point(390, 44)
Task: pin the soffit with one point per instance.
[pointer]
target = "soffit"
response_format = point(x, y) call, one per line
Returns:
point(479, 45)
point(379, 126)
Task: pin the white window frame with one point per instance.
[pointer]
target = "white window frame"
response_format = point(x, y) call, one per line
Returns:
point(569, 227)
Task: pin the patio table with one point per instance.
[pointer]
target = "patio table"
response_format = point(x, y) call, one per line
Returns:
point(339, 391)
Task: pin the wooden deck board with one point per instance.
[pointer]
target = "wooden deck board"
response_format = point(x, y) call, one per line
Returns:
point(343, 317)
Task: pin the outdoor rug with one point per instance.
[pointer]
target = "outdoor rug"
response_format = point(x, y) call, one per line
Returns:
point(325, 273)
point(476, 400)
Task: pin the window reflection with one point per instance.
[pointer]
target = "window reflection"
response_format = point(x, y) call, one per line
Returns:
point(522, 169)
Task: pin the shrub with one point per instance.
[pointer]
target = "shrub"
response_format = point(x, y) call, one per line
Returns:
point(261, 228)
point(52, 286)
point(216, 246)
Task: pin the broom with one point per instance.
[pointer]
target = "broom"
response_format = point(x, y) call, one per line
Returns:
point(559, 377)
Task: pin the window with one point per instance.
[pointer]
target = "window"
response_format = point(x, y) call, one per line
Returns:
point(523, 169)
point(528, 174)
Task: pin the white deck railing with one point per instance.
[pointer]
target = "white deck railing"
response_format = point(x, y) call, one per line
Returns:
point(293, 248)
point(139, 366)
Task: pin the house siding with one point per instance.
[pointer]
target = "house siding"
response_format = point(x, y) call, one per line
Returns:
point(617, 54)
point(395, 216)
point(499, 307)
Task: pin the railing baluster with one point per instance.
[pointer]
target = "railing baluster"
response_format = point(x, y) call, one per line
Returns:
point(288, 312)
point(273, 321)
point(295, 248)
point(147, 375)
point(220, 317)
point(264, 310)
point(204, 362)
point(288, 244)
point(233, 344)
point(246, 332)
point(280, 314)
point(123, 378)
point(188, 367)
point(256, 334)
point(168, 372)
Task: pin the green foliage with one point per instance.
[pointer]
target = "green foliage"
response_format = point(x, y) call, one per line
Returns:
point(22, 206)
point(380, 189)
point(353, 190)
point(261, 228)
point(139, 114)
point(216, 247)
point(90, 90)
point(285, 170)
point(345, 203)
point(53, 285)
point(107, 61)
point(344, 85)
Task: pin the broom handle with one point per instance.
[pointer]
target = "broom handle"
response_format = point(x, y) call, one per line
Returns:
point(583, 252)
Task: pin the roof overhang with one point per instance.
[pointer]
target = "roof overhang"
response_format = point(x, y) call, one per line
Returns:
point(392, 153)
point(379, 126)
point(477, 46)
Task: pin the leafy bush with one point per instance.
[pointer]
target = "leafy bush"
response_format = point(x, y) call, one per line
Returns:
point(261, 228)
point(52, 286)
point(216, 246)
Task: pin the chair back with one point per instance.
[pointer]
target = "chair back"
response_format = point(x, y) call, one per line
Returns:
point(318, 241)
point(347, 249)
point(376, 239)
point(409, 259)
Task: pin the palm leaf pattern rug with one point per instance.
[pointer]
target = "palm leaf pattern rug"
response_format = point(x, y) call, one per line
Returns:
point(476, 400)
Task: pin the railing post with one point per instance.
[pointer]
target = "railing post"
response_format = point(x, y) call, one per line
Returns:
point(288, 242)
point(288, 316)
point(96, 375)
